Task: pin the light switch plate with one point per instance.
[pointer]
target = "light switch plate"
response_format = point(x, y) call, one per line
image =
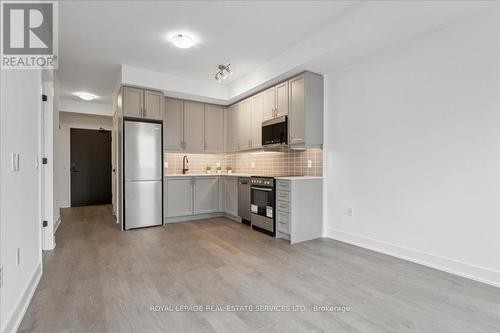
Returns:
point(18, 257)
point(13, 162)
point(309, 163)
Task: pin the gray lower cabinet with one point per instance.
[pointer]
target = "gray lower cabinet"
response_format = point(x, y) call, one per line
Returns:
point(186, 196)
point(299, 213)
point(206, 194)
point(178, 196)
point(230, 196)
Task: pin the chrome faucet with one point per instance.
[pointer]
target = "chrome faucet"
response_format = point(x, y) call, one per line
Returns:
point(185, 164)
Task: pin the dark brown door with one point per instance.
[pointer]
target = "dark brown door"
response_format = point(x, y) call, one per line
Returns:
point(90, 167)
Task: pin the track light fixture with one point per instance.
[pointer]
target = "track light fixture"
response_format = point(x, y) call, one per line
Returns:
point(223, 73)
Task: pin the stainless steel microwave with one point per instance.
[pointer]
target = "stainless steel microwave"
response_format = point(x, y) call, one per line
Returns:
point(275, 132)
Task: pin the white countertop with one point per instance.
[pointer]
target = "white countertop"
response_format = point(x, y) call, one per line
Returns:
point(238, 175)
point(208, 174)
point(298, 177)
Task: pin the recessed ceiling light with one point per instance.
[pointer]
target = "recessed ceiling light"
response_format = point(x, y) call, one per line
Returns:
point(86, 96)
point(182, 41)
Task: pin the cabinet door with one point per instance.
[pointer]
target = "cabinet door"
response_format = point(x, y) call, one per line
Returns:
point(178, 196)
point(153, 102)
point(269, 104)
point(214, 128)
point(235, 127)
point(206, 195)
point(256, 128)
point(232, 131)
point(133, 99)
point(194, 126)
point(297, 109)
point(282, 99)
point(244, 124)
point(231, 195)
point(172, 124)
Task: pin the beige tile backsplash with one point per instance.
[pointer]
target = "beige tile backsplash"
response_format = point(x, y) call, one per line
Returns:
point(293, 162)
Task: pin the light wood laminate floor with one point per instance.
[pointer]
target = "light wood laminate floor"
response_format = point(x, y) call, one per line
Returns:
point(99, 279)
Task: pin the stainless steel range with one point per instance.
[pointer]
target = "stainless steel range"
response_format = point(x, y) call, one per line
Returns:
point(262, 204)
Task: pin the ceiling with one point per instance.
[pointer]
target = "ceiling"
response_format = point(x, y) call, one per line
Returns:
point(96, 37)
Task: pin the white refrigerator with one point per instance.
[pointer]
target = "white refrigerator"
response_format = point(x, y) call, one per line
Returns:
point(143, 172)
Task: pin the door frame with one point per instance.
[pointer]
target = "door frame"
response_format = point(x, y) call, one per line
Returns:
point(89, 127)
point(46, 171)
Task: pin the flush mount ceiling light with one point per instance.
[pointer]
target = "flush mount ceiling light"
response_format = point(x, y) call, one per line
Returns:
point(86, 96)
point(182, 40)
point(223, 73)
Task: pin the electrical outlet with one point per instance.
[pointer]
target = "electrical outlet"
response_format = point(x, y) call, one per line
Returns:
point(252, 165)
point(350, 212)
point(309, 164)
point(166, 165)
point(217, 164)
point(18, 257)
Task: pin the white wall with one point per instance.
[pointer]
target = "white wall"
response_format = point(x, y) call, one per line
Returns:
point(66, 122)
point(412, 146)
point(19, 192)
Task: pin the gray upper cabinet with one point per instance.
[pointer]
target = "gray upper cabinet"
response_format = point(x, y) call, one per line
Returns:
point(275, 101)
point(173, 124)
point(269, 105)
point(206, 194)
point(133, 101)
point(153, 105)
point(257, 112)
point(214, 128)
point(281, 99)
point(231, 128)
point(306, 111)
point(194, 126)
point(141, 103)
point(244, 124)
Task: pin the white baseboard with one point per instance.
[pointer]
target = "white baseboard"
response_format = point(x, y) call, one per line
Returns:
point(20, 309)
point(477, 273)
point(58, 223)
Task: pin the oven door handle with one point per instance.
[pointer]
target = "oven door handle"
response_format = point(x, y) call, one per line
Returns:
point(262, 189)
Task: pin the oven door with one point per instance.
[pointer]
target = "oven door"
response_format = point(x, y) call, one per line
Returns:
point(262, 201)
